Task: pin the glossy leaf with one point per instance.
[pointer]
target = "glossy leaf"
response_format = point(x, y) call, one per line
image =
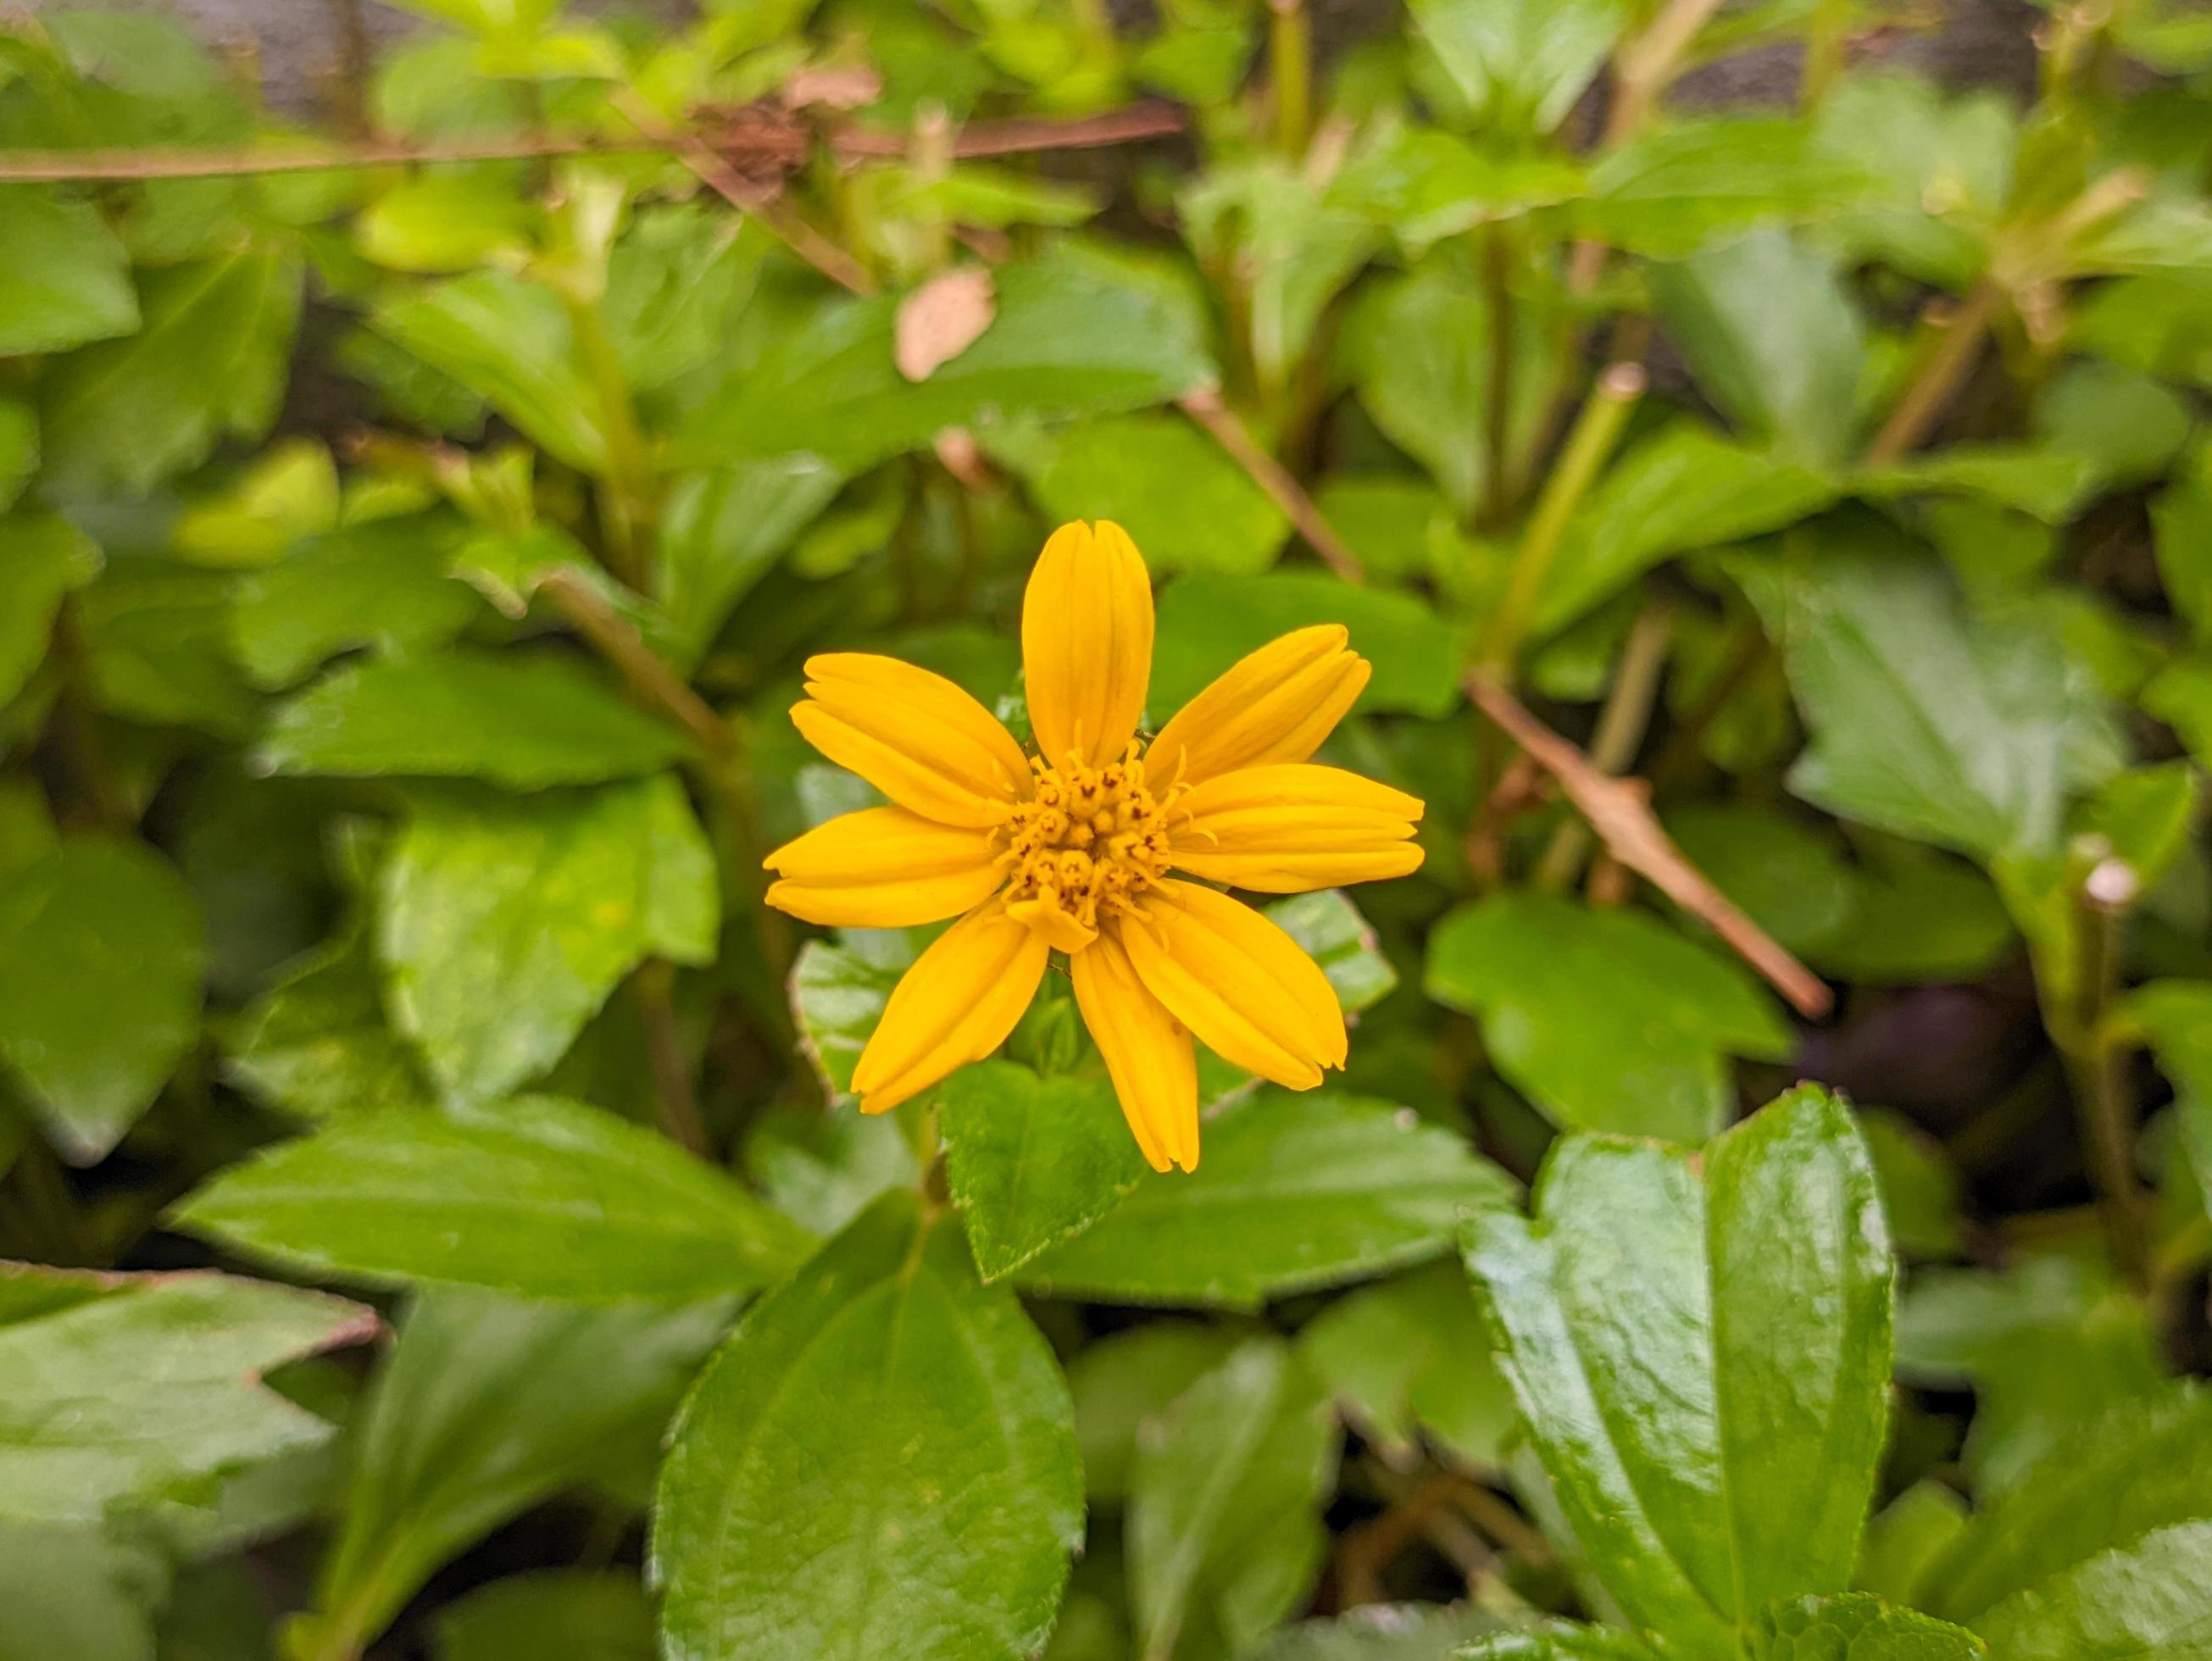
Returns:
point(1032, 1161)
point(503, 922)
point(383, 586)
point(486, 1407)
point(1710, 1401)
point(881, 1460)
point(1925, 722)
point(1608, 1020)
point(1068, 340)
point(1856, 1627)
point(1412, 1355)
point(208, 363)
point(66, 282)
point(722, 532)
point(317, 1043)
point(538, 1197)
point(1772, 336)
point(1294, 1192)
point(1223, 1524)
point(1207, 622)
point(519, 720)
point(118, 1390)
point(102, 957)
point(1523, 63)
point(43, 557)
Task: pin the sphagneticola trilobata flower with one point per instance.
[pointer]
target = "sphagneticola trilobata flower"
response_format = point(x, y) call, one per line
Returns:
point(1100, 846)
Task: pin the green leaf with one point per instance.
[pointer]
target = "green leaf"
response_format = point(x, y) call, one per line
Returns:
point(1126, 1380)
point(1330, 928)
point(2118, 1483)
point(383, 586)
point(1607, 1020)
point(1789, 875)
point(723, 530)
point(210, 362)
point(2177, 1017)
point(1919, 1185)
point(1918, 915)
point(67, 280)
point(504, 922)
point(1925, 722)
point(1291, 1193)
point(317, 1043)
point(1419, 350)
point(1523, 63)
point(1906, 1537)
point(551, 1614)
point(1858, 1627)
point(159, 640)
point(287, 494)
point(1427, 185)
point(1411, 1355)
point(1208, 622)
point(880, 1461)
point(19, 448)
point(522, 720)
point(676, 284)
point(2125, 424)
point(1163, 480)
point(1772, 336)
point(43, 557)
point(1556, 1641)
point(1683, 488)
point(2146, 1601)
point(820, 1170)
point(83, 1592)
point(538, 1197)
point(1703, 1358)
point(446, 219)
point(2181, 526)
point(1380, 1632)
point(1068, 339)
point(487, 1406)
point(2181, 697)
point(838, 995)
point(509, 341)
point(1032, 1161)
point(1224, 1527)
point(1691, 185)
point(102, 957)
point(122, 1390)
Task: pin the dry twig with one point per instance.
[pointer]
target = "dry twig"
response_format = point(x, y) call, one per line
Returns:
point(1620, 811)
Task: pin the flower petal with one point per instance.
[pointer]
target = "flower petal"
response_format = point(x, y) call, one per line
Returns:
point(1290, 826)
point(915, 736)
point(1148, 1053)
point(1087, 642)
point(954, 1005)
point(883, 867)
point(1278, 703)
point(1239, 982)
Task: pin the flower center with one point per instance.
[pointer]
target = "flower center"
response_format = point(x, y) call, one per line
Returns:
point(1089, 839)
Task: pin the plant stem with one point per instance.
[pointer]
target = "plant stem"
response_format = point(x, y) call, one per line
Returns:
point(1941, 375)
point(1824, 53)
point(2095, 1063)
point(1595, 432)
point(1620, 728)
point(1289, 56)
point(616, 639)
point(676, 1104)
point(1205, 406)
point(629, 493)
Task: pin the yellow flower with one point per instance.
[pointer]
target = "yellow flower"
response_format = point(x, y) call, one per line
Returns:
point(1078, 848)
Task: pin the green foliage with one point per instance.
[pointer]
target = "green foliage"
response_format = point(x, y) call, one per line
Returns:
point(410, 560)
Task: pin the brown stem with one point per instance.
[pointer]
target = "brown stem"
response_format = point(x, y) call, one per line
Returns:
point(1620, 727)
point(616, 639)
point(1620, 811)
point(1941, 375)
point(984, 138)
point(1205, 406)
